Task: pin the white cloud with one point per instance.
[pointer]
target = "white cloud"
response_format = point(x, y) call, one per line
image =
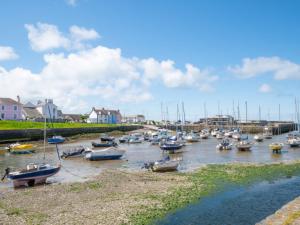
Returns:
point(7, 53)
point(45, 37)
point(71, 2)
point(265, 88)
point(101, 73)
point(280, 68)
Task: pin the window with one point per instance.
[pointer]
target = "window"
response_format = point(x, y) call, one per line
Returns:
point(15, 107)
point(2, 107)
point(15, 116)
point(2, 115)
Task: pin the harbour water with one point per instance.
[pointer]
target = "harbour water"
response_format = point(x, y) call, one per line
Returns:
point(194, 155)
point(239, 206)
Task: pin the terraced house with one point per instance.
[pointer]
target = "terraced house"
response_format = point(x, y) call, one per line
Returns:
point(107, 116)
point(10, 109)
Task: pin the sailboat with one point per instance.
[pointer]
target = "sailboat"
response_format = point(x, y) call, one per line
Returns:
point(33, 173)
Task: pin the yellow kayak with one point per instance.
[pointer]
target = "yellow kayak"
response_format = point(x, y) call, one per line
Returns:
point(20, 147)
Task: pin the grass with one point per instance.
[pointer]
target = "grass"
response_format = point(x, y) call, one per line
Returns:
point(209, 180)
point(19, 125)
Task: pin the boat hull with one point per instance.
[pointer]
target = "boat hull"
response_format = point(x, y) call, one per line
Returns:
point(32, 178)
point(55, 141)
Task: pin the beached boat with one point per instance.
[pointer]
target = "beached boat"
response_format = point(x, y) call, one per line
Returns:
point(18, 148)
point(56, 140)
point(224, 145)
point(228, 134)
point(267, 135)
point(244, 145)
point(258, 137)
point(214, 132)
point(77, 151)
point(104, 144)
point(124, 139)
point(33, 173)
point(162, 165)
point(106, 138)
point(276, 147)
point(105, 154)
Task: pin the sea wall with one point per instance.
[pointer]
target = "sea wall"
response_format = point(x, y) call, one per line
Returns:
point(38, 134)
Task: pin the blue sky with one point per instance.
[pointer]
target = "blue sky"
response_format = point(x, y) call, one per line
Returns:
point(214, 37)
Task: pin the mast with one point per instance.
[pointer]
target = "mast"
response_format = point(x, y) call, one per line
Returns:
point(259, 113)
point(205, 113)
point(279, 112)
point(183, 113)
point(238, 111)
point(246, 111)
point(44, 157)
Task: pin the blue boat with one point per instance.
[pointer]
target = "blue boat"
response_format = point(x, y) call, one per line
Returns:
point(56, 140)
point(171, 146)
point(32, 174)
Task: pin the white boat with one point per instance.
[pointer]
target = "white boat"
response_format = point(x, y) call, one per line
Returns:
point(192, 137)
point(236, 136)
point(214, 132)
point(162, 165)
point(258, 137)
point(244, 146)
point(105, 154)
point(204, 135)
point(267, 134)
point(228, 134)
point(135, 140)
point(294, 142)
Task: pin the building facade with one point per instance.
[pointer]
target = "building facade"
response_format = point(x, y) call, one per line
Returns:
point(134, 119)
point(10, 109)
point(218, 120)
point(105, 116)
point(48, 109)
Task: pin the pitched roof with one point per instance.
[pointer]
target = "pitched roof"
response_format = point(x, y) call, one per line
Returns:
point(75, 117)
point(9, 101)
point(106, 111)
point(29, 105)
point(32, 113)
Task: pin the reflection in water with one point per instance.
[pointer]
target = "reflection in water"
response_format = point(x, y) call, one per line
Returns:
point(195, 155)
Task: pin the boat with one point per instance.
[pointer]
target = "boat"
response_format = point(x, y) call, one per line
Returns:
point(293, 142)
point(214, 132)
point(56, 140)
point(228, 133)
point(18, 148)
point(258, 137)
point(165, 165)
point(204, 135)
point(124, 139)
point(104, 144)
point(171, 146)
point(135, 140)
point(219, 136)
point(33, 173)
point(192, 137)
point(106, 138)
point(236, 136)
point(267, 134)
point(105, 154)
point(276, 147)
point(224, 145)
point(244, 145)
point(74, 152)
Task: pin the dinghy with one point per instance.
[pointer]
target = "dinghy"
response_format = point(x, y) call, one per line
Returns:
point(56, 140)
point(104, 145)
point(224, 145)
point(165, 165)
point(74, 152)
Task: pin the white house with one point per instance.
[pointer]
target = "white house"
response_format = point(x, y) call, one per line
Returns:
point(104, 116)
point(48, 109)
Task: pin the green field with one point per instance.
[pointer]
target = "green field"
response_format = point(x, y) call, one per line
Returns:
point(20, 125)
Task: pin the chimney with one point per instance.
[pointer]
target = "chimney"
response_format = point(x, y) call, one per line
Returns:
point(18, 98)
